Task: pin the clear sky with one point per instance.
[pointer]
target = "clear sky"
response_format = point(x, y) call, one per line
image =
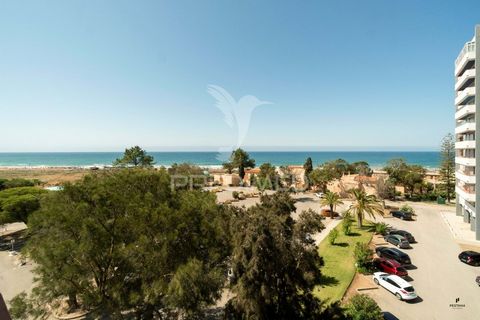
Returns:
point(103, 75)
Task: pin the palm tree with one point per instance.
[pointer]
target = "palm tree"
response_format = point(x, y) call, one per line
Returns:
point(364, 203)
point(331, 199)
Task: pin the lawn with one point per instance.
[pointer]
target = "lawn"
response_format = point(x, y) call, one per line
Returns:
point(339, 268)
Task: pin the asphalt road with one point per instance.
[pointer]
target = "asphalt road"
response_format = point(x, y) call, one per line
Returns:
point(438, 277)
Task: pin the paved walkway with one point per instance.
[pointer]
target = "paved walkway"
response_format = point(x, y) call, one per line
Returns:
point(459, 229)
point(14, 278)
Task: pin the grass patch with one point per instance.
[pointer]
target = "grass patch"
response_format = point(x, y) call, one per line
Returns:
point(339, 268)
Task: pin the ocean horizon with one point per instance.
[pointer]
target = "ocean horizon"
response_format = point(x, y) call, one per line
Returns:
point(376, 159)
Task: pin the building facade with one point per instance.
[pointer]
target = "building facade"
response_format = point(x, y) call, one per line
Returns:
point(467, 147)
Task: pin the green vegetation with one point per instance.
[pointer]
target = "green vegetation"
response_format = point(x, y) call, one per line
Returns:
point(331, 199)
point(447, 166)
point(239, 159)
point(363, 256)
point(18, 182)
point(332, 170)
point(17, 204)
point(332, 236)
point(380, 228)
point(407, 208)
point(124, 240)
point(339, 263)
point(364, 204)
point(274, 262)
point(362, 307)
point(186, 175)
point(411, 177)
point(347, 225)
point(267, 178)
point(308, 167)
point(134, 157)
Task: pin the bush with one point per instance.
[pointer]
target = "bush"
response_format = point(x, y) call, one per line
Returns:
point(407, 208)
point(347, 226)
point(363, 256)
point(235, 194)
point(332, 236)
point(362, 307)
point(381, 228)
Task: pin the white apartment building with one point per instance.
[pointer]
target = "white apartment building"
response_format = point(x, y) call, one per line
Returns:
point(466, 121)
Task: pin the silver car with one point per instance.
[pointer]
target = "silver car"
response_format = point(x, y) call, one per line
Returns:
point(397, 240)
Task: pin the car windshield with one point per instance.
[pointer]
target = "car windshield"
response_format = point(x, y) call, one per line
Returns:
point(409, 289)
point(401, 269)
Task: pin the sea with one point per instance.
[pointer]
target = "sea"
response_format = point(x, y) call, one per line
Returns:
point(376, 159)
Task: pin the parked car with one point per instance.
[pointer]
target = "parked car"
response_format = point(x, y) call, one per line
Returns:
point(470, 257)
point(390, 266)
point(477, 280)
point(320, 194)
point(397, 240)
point(402, 215)
point(327, 213)
point(396, 285)
point(395, 254)
point(407, 235)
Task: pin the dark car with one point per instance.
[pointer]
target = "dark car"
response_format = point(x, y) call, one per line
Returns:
point(478, 281)
point(395, 254)
point(402, 215)
point(470, 257)
point(390, 266)
point(407, 235)
point(397, 240)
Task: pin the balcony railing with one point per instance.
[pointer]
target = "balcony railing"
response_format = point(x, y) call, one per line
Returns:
point(468, 47)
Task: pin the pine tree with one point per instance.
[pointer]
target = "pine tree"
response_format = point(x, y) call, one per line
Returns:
point(447, 165)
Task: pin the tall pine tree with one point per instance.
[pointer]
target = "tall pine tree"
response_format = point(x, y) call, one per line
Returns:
point(447, 165)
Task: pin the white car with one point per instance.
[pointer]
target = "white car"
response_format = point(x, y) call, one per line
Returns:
point(396, 285)
point(320, 194)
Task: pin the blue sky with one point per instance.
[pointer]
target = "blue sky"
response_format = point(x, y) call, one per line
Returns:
point(103, 75)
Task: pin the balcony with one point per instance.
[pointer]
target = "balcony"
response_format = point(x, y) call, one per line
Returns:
point(465, 178)
point(467, 195)
point(464, 110)
point(469, 74)
point(468, 144)
point(464, 94)
point(470, 162)
point(471, 207)
point(467, 54)
point(465, 127)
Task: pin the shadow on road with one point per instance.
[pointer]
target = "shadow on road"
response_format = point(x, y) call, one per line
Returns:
point(19, 238)
point(415, 301)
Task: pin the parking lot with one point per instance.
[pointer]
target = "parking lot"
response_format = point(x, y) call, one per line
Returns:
point(446, 287)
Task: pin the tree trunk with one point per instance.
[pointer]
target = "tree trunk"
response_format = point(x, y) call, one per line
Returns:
point(359, 220)
point(72, 302)
point(331, 211)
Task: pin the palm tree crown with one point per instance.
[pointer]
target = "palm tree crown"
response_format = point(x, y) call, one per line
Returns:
point(364, 203)
point(331, 199)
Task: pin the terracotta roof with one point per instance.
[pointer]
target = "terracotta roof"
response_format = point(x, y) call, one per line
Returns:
point(254, 170)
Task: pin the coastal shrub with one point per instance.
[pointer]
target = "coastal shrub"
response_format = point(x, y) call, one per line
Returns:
point(347, 226)
point(363, 256)
point(407, 208)
point(362, 307)
point(332, 236)
point(17, 183)
point(235, 194)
